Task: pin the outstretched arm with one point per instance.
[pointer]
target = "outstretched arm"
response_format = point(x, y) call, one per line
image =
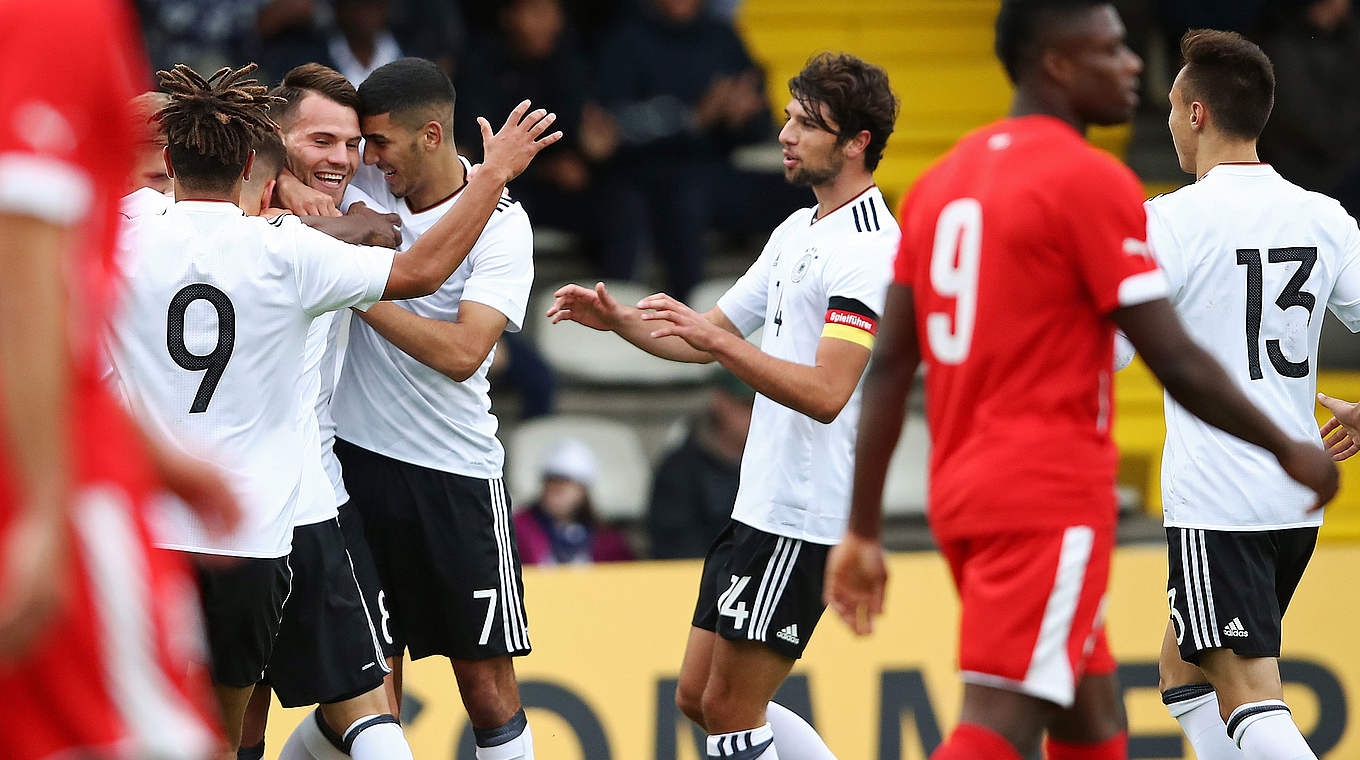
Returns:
point(856, 574)
point(598, 310)
point(454, 349)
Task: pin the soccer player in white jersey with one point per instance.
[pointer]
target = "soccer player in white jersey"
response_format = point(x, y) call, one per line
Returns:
point(210, 344)
point(1252, 261)
point(421, 461)
point(817, 290)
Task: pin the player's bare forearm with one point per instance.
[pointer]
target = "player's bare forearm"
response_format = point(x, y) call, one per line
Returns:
point(819, 391)
point(1194, 378)
point(887, 389)
point(635, 330)
point(35, 373)
point(454, 349)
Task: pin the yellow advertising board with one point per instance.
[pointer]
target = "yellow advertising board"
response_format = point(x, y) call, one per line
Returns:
point(607, 643)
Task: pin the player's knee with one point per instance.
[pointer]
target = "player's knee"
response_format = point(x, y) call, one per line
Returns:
point(718, 700)
point(691, 703)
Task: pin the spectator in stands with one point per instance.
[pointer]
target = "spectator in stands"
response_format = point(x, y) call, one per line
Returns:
point(205, 34)
point(561, 527)
point(1311, 137)
point(685, 94)
point(533, 54)
point(696, 484)
point(362, 39)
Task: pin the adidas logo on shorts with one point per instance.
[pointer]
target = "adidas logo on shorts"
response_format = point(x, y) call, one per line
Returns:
point(1234, 628)
point(790, 634)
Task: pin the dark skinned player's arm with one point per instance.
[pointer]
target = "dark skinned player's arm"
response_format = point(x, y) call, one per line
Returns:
point(887, 388)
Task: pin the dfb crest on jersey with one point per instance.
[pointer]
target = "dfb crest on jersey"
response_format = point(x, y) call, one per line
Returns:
point(800, 270)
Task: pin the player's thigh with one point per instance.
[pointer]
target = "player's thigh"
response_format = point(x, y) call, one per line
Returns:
point(466, 601)
point(1239, 680)
point(366, 573)
point(327, 648)
point(242, 601)
point(694, 670)
point(1031, 607)
point(1223, 591)
point(762, 587)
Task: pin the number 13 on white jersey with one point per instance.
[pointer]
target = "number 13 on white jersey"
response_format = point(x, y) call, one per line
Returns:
point(954, 265)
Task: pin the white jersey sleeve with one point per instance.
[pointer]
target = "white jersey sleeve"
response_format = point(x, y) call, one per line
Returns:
point(861, 275)
point(744, 303)
point(332, 274)
point(1345, 298)
point(502, 266)
point(1168, 252)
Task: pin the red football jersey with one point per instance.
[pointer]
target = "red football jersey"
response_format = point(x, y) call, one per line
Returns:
point(117, 670)
point(1017, 245)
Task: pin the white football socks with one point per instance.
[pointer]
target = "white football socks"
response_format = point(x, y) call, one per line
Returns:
point(512, 741)
point(1265, 730)
point(752, 744)
point(307, 742)
point(1195, 707)
point(797, 739)
point(377, 737)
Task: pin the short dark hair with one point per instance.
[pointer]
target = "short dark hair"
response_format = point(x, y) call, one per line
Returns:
point(312, 78)
point(856, 95)
point(269, 156)
point(1020, 27)
point(1233, 76)
point(212, 124)
point(413, 90)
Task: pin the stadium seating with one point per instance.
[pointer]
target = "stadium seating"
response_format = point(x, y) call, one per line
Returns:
point(624, 481)
point(582, 355)
point(938, 55)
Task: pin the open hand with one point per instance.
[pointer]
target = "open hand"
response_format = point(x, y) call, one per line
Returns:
point(593, 308)
point(686, 323)
point(509, 151)
point(371, 227)
point(856, 576)
point(301, 199)
point(1341, 433)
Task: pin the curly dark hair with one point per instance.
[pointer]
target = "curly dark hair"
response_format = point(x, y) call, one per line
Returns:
point(857, 98)
point(212, 124)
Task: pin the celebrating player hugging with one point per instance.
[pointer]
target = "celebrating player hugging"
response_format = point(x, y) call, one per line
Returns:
point(248, 335)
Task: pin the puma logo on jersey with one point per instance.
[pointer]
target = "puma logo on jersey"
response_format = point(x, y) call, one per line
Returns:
point(789, 633)
point(1235, 628)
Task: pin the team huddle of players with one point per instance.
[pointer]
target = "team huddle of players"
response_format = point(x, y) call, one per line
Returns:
point(353, 507)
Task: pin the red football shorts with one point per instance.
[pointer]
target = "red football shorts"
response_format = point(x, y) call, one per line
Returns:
point(1033, 603)
point(119, 670)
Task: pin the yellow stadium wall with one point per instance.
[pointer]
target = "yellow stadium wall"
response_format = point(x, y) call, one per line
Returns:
point(608, 640)
point(938, 55)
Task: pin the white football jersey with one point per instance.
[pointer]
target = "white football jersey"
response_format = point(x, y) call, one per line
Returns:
point(1252, 261)
point(388, 402)
point(798, 484)
point(209, 346)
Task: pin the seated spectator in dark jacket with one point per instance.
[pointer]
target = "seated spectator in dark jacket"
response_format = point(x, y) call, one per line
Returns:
point(561, 528)
point(533, 54)
point(1313, 136)
point(362, 39)
point(696, 484)
point(685, 93)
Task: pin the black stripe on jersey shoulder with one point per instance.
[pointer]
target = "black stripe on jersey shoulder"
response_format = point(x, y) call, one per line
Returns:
point(855, 210)
point(852, 305)
point(278, 220)
point(873, 209)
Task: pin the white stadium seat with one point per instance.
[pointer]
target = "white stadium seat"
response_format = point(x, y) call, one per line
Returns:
point(584, 355)
point(706, 294)
point(622, 487)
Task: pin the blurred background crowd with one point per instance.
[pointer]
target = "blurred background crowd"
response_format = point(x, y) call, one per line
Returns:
point(670, 179)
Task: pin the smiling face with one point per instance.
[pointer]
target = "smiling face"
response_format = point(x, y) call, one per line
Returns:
point(322, 142)
point(396, 151)
point(812, 155)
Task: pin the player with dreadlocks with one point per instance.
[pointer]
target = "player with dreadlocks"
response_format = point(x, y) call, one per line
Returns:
point(209, 348)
